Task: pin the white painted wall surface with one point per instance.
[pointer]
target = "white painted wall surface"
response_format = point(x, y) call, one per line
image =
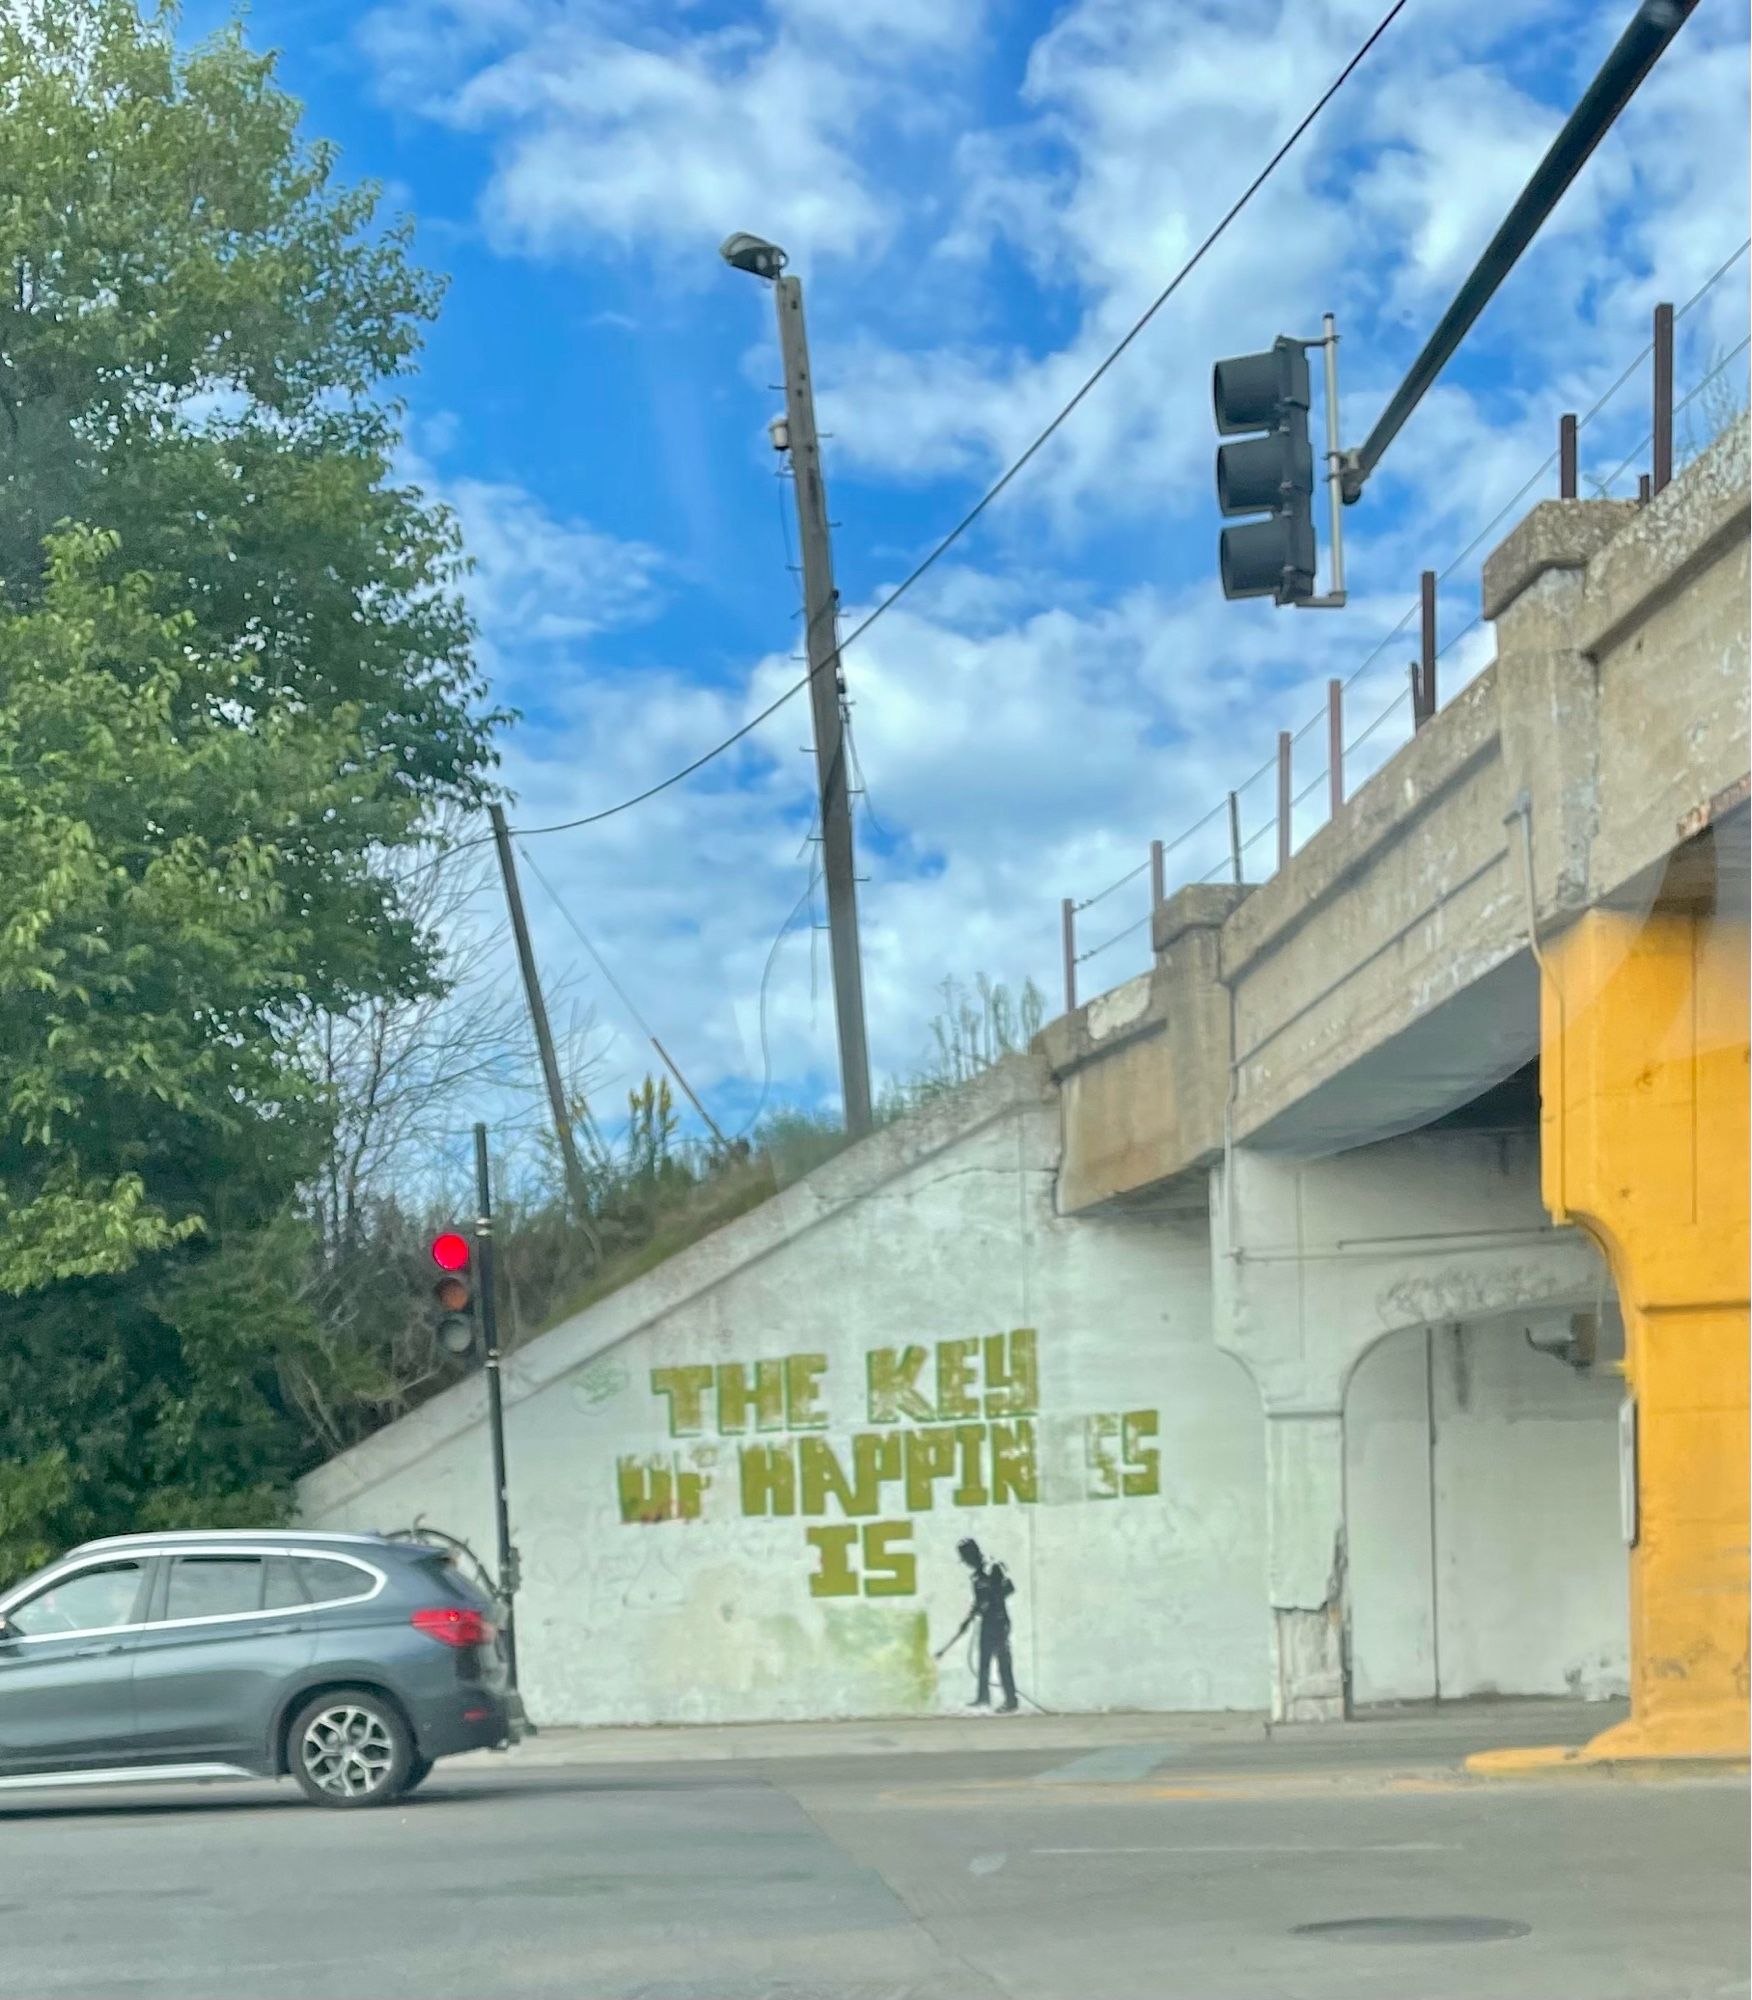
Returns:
point(939, 1231)
point(1531, 1578)
point(1387, 1517)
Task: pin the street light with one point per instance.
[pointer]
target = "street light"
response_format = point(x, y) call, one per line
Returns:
point(794, 433)
point(754, 254)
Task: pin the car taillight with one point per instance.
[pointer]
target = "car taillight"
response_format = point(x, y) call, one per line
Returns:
point(455, 1625)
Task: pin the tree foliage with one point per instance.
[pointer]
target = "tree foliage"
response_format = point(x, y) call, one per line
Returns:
point(236, 682)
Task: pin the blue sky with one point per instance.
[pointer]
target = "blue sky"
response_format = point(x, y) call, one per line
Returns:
point(980, 195)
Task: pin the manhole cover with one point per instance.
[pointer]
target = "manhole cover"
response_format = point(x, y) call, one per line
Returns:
point(1414, 1930)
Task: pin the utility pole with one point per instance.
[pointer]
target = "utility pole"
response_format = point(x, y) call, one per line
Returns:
point(507, 1553)
point(821, 627)
point(796, 434)
point(544, 1040)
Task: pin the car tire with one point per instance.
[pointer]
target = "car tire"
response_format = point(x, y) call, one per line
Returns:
point(418, 1772)
point(351, 1748)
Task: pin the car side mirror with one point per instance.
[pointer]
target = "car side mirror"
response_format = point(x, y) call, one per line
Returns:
point(6, 1631)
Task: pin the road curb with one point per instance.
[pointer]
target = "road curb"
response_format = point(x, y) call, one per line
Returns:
point(1554, 1760)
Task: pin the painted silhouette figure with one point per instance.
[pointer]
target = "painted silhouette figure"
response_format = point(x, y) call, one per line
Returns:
point(992, 1591)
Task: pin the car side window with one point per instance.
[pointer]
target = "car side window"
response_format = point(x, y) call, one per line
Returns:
point(213, 1586)
point(326, 1581)
point(87, 1601)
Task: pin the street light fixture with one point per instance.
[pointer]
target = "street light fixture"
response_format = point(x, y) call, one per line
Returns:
point(754, 254)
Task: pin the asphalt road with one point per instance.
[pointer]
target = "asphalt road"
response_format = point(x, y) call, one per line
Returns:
point(1118, 1874)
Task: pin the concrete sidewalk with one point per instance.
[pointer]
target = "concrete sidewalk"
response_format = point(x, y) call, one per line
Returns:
point(1415, 1736)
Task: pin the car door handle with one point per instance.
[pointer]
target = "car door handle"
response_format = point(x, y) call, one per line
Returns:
point(280, 1631)
point(97, 1652)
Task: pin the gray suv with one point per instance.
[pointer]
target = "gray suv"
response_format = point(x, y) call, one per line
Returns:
point(353, 1662)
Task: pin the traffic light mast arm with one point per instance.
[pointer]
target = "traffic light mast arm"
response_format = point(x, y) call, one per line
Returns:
point(1636, 52)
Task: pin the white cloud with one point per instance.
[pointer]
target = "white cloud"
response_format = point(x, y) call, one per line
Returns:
point(538, 580)
point(547, 580)
point(612, 130)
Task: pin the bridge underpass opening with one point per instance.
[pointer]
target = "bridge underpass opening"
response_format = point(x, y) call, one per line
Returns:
point(1486, 1547)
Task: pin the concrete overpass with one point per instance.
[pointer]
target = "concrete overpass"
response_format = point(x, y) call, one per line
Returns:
point(1233, 1317)
point(1486, 1028)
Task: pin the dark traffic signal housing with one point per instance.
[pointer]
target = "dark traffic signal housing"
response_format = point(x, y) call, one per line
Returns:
point(453, 1293)
point(1272, 473)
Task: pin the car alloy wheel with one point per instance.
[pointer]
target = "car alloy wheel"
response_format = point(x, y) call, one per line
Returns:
point(347, 1751)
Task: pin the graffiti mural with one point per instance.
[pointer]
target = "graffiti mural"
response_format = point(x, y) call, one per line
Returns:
point(992, 1591)
point(956, 1424)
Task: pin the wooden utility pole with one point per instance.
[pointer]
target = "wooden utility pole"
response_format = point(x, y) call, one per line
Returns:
point(821, 625)
point(544, 1040)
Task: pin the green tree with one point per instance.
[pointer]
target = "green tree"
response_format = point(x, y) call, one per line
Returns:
point(235, 679)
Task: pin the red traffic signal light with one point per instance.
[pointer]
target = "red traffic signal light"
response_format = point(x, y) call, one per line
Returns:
point(453, 1293)
point(450, 1251)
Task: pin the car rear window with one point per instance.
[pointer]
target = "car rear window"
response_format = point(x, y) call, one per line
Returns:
point(440, 1570)
point(325, 1580)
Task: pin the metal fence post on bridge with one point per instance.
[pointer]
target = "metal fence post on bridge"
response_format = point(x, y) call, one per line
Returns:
point(1566, 456)
point(1335, 744)
point(1068, 923)
point(1425, 704)
point(1235, 838)
point(1283, 802)
point(1662, 471)
point(1158, 877)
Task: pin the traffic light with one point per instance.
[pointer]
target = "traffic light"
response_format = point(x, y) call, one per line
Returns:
point(1272, 473)
point(454, 1293)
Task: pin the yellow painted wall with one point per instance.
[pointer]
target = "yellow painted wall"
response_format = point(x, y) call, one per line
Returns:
point(1644, 1081)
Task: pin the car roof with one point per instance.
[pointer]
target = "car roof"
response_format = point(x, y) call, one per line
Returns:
point(170, 1538)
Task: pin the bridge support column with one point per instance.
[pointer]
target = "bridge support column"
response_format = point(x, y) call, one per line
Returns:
point(1644, 1087)
point(1305, 1565)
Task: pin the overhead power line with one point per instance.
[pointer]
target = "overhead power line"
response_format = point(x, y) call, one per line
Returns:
point(1016, 466)
point(766, 1055)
